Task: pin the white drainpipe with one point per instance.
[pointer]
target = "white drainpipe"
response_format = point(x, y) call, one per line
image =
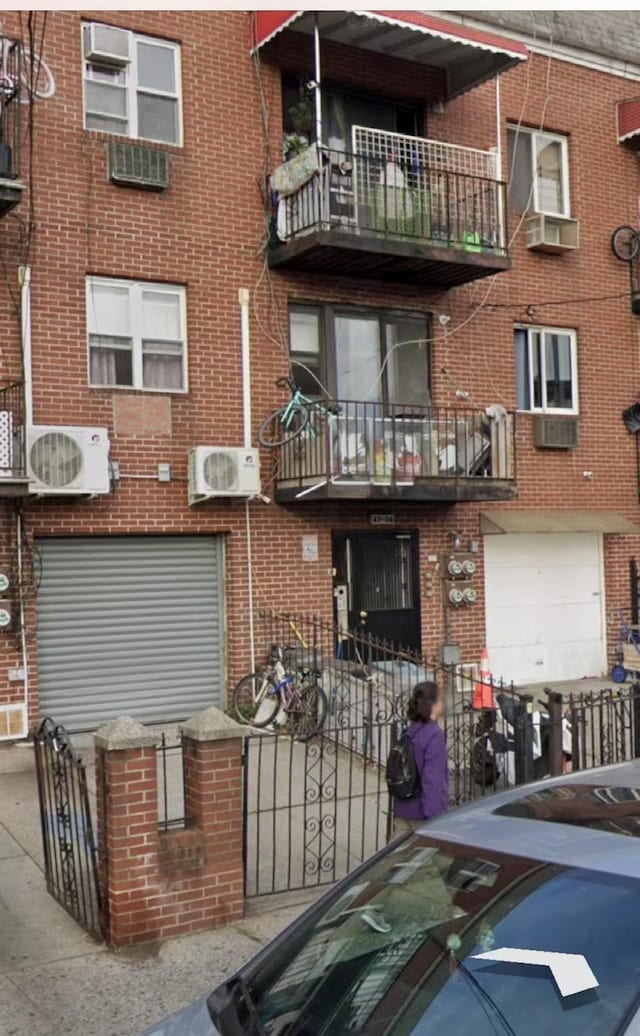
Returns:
point(24, 279)
point(243, 299)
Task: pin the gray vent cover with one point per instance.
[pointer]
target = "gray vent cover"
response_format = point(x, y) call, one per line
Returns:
point(555, 433)
point(138, 166)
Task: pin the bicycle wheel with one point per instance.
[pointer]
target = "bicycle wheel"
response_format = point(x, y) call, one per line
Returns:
point(625, 244)
point(274, 432)
point(255, 700)
point(308, 713)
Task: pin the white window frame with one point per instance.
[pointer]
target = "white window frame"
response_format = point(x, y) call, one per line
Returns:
point(135, 308)
point(564, 146)
point(573, 339)
point(131, 85)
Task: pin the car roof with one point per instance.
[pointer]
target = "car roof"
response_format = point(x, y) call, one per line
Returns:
point(570, 845)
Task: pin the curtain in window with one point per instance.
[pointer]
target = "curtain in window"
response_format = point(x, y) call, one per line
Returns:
point(103, 367)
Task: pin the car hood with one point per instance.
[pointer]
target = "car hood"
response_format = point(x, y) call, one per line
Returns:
point(190, 1021)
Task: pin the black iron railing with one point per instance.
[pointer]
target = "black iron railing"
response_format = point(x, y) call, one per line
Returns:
point(12, 432)
point(10, 108)
point(316, 808)
point(68, 841)
point(171, 807)
point(395, 444)
point(404, 199)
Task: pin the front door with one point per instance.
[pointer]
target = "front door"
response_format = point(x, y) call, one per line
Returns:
point(376, 577)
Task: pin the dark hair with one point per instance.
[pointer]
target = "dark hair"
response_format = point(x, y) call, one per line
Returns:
point(423, 698)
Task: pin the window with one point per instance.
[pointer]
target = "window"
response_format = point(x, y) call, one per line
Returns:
point(131, 84)
point(136, 335)
point(546, 377)
point(360, 355)
point(538, 171)
point(379, 956)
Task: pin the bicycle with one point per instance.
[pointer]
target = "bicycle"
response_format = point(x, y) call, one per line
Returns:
point(278, 696)
point(288, 422)
point(625, 243)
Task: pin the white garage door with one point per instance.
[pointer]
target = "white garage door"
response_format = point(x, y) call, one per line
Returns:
point(544, 606)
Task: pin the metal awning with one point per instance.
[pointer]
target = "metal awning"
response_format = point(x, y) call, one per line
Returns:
point(501, 521)
point(467, 56)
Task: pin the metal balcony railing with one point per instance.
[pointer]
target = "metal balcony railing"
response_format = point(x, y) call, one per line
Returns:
point(10, 108)
point(392, 444)
point(12, 433)
point(395, 187)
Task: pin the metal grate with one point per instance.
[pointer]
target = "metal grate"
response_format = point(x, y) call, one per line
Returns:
point(555, 433)
point(424, 188)
point(419, 153)
point(138, 166)
point(12, 452)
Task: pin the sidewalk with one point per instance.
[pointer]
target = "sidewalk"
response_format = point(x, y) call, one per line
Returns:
point(54, 979)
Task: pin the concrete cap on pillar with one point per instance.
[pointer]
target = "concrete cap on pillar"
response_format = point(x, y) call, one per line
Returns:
point(124, 733)
point(212, 725)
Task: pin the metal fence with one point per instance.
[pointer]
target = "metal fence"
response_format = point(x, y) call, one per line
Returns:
point(391, 444)
point(12, 437)
point(170, 759)
point(403, 193)
point(69, 845)
point(316, 808)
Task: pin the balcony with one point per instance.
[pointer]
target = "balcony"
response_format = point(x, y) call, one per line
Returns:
point(10, 129)
point(396, 207)
point(373, 451)
point(13, 474)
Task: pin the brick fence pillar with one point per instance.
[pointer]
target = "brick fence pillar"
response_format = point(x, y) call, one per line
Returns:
point(157, 884)
point(213, 782)
point(127, 811)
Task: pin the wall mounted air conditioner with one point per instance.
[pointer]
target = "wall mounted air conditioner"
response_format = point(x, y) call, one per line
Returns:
point(136, 165)
point(216, 471)
point(65, 461)
point(106, 45)
point(555, 433)
point(553, 234)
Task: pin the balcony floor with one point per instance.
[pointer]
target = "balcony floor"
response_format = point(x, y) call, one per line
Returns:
point(386, 258)
point(13, 485)
point(427, 490)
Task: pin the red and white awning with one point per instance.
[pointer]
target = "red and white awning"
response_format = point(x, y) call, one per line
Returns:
point(467, 56)
point(628, 116)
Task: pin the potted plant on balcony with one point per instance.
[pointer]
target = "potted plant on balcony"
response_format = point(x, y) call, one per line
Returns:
point(300, 119)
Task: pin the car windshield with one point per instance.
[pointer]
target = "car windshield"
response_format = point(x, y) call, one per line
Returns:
point(394, 953)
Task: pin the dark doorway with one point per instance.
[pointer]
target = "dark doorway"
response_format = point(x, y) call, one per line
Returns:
point(377, 586)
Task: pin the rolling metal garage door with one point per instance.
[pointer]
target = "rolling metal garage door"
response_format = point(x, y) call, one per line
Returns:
point(130, 625)
point(544, 606)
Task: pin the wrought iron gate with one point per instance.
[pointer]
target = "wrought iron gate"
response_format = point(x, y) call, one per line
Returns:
point(70, 854)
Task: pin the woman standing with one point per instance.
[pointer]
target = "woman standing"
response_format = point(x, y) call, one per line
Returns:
point(430, 755)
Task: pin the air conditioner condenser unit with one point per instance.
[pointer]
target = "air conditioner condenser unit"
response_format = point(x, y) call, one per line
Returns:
point(68, 461)
point(223, 471)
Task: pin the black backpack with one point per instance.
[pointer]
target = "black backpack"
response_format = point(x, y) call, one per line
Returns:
point(403, 779)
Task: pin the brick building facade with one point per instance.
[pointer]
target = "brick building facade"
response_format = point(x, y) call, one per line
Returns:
point(563, 518)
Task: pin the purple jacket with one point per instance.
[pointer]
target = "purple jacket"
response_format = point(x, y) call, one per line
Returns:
point(430, 754)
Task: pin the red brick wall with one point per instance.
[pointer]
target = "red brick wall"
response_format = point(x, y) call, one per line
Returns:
point(158, 884)
point(207, 232)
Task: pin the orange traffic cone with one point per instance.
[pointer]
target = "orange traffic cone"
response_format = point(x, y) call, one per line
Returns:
point(483, 692)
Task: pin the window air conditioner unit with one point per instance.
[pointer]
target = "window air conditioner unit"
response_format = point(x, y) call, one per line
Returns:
point(555, 433)
point(553, 234)
point(106, 45)
point(65, 461)
point(218, 471)
point(135, 165)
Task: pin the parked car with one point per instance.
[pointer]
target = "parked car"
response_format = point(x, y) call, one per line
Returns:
point(517, 914)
